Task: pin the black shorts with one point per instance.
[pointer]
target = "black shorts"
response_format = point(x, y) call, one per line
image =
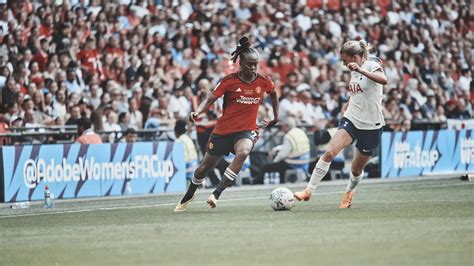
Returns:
point(367, 140)
point(220, 145)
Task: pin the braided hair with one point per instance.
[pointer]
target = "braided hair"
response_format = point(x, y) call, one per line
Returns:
point(243, 48)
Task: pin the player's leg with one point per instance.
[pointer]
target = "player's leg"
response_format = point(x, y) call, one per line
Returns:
point(208, 162)
point(357, 172)
point(367, 143)
point(357, 169)
point(339, 141)
point(203, 138)
point(242, 148)
point(243, 143)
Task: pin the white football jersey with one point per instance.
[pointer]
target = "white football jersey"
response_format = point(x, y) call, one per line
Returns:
point(365, 104)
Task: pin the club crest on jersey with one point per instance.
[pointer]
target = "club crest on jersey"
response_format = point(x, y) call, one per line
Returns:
point(355, 88)
point(258, 89)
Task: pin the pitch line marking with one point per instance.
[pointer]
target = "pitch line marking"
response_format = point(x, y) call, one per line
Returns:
point(203, 202)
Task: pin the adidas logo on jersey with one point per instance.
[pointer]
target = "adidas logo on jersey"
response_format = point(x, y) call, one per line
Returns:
point(238, 90)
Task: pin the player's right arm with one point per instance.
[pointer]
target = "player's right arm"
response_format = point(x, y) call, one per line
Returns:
point(210, 99)
point(217, 92)
point(376, 75)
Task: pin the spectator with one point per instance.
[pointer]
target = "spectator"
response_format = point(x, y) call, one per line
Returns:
point(3, 128)
point(9, 91)
point(155, 48)
point(59, 104)
point(75, 114)
point(405, 125)
point(30, 123)
point(86, 133)
point(289, 106)
point(96, 120)
point(89, 58)
point(42, 55)
point(464, 81)
point(439, 116)
point(105, 101)
point(73, 82)
point(124, 121)
point(93, 96)
point(12, 113)
point(190, 153)
point(136, 117)
point(112, 127)
point(130, 135)
point(393, 114)
point(460, 110)
point(292, 154)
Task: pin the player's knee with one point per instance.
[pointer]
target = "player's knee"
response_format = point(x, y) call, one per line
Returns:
point(330, 154)
point(242, 153)
point(201, 170)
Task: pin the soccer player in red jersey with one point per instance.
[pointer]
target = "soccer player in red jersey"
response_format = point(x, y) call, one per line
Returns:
point(236, 130)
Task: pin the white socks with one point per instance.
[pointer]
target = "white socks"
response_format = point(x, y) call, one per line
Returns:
point(354, 181)
point(197, 181)
point(320, 170)
point(229, 174)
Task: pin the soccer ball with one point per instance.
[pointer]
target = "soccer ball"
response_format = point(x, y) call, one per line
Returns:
point(282, 199)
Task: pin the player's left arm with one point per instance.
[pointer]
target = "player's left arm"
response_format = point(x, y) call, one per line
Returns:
point(378, 75)
point(275, 107)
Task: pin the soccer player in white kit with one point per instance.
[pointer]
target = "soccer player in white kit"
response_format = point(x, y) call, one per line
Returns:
point(362, 119)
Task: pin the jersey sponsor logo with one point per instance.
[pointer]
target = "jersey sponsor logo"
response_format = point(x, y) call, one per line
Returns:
point(355, 88)
point(248, 100)
point(258, 89)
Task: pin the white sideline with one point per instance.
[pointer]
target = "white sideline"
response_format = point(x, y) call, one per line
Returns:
point(223, 200)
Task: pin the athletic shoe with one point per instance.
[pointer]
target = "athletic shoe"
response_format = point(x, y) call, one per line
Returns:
point(181, 207)
point(212, 201)
point(303, 195)
point(346, 200)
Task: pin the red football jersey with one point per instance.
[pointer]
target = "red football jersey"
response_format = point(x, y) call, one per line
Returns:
point(241, 102)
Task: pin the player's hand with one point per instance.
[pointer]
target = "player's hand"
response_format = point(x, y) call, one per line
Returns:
point(192, 117)
point(353, 67)
point(268, 123)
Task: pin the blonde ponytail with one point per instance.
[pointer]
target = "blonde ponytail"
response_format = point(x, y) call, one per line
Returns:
point(361, 48)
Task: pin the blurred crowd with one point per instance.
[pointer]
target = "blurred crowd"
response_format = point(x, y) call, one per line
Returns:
point(146, 63)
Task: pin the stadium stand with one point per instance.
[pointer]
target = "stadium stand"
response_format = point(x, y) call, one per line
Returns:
point(140, 62)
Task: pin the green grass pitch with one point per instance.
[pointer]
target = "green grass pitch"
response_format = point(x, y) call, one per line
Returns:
point(424, 222)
